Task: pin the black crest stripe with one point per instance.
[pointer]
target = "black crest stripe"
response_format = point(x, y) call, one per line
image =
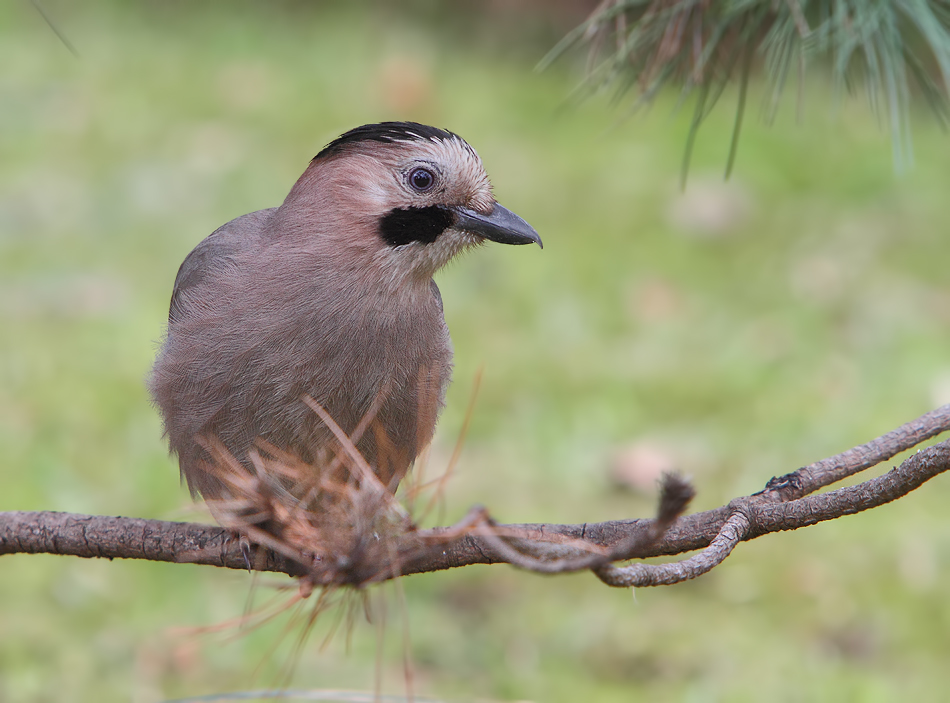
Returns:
point(414, 224)
point(386, 132)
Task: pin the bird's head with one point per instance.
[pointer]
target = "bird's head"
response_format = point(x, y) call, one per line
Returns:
point(409, 196)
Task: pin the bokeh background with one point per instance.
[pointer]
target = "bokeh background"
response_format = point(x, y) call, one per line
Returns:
point(735, 331)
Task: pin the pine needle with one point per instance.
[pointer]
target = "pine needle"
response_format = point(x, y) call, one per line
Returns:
point(893, 50)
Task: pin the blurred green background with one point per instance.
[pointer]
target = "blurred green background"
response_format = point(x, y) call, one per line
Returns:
point(736, 331)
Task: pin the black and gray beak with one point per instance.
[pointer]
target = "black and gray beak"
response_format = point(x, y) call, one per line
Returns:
point(501, 225)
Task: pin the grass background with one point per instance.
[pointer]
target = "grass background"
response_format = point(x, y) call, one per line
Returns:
point(744, 328)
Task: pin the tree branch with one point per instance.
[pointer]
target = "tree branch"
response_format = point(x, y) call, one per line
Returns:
point(785, 504)
point(130, 538)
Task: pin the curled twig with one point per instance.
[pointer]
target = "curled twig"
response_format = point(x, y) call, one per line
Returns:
point(732, 532)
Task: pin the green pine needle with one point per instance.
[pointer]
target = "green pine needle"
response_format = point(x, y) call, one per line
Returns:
point(895, 49)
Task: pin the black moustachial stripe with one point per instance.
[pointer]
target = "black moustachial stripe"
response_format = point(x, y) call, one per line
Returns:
point(386, 132)
point(415, 224)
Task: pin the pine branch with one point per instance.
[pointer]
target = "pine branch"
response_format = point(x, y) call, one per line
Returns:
point(893, 48)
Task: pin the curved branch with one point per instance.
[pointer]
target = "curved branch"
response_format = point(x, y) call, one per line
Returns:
point(733, 531)
point(550, 548)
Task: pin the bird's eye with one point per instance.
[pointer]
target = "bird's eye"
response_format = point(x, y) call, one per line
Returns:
point(421, 179)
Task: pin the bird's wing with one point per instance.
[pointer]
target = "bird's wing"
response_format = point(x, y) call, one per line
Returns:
point(215, 252)
point(436, 293)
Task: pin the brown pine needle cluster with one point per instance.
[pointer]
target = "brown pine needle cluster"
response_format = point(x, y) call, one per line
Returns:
point(334, 517)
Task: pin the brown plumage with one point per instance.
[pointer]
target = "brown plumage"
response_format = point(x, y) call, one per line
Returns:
point(330, 296)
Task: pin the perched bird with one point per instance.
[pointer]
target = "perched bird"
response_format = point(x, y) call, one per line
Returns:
point(329, 296)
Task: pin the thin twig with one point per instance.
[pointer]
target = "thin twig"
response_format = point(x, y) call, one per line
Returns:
point(833, 469)
point(52, 25)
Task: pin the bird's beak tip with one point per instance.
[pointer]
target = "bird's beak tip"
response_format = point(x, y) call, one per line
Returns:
point(500, 225)
point(536, 239)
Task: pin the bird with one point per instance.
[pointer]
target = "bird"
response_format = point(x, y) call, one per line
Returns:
point(327, 300)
